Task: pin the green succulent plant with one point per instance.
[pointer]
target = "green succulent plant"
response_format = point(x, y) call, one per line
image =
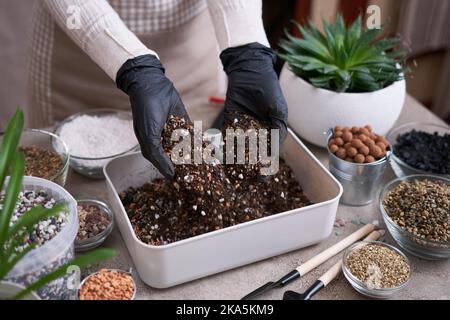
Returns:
point(12, 164)
point(344, 59)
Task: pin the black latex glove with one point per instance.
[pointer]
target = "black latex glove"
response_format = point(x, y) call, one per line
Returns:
point(153, 98)
point(253, 86)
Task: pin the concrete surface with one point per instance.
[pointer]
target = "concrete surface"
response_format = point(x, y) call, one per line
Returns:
point(430, 279)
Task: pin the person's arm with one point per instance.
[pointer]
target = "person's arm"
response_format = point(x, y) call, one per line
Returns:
point(136, 70)
point(101, 34)
point(249, 62)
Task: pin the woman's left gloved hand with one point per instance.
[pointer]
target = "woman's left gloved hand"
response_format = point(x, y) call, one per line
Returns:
point(253, 86)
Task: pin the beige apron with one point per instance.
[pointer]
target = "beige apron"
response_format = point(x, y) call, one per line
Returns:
point(73, 82)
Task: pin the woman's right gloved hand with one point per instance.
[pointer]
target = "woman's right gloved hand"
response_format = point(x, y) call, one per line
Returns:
point(153, 99)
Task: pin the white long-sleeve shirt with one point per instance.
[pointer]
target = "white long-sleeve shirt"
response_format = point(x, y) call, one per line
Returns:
point(99, 31)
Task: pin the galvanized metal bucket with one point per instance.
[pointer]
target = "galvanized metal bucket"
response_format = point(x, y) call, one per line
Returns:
point(361, 182)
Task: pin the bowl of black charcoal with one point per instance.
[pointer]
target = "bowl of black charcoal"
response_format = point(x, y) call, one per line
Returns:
point(420, 148)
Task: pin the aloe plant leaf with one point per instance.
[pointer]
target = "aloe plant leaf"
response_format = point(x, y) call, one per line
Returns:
point(11, 195)
point(9, 144)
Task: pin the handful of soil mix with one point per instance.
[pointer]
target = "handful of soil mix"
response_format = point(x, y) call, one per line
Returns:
point(207, 196)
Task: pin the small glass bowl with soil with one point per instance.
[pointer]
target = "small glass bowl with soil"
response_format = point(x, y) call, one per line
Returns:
point(416, 211)
point(96, 223)
point(420, 148)
point(376, 269)
point(46, 155)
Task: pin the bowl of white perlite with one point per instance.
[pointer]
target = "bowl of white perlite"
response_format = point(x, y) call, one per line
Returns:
point(96, 136)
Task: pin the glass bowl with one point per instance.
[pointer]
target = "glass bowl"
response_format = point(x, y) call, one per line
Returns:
point(93, 167)
point(49, 141)
point(118, 270)
point(360, 286)
point(400, 168)
point(418, 246)
point(97, 240)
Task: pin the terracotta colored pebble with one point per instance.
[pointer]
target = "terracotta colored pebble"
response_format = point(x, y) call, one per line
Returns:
point(107, 285)
point(376, 151)
point(359, 158)
point(341, 153)
point(364, 150)
point(334, 148)
point(351, 152)
point(347, 136)
point(357, 143)
point(369, 159)
point(339, 141)
point(381, 145)
point(362, 137)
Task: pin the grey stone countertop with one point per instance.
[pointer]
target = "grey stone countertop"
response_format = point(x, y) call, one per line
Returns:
point(430, 279)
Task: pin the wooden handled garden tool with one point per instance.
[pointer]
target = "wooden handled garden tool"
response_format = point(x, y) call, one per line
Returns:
point(313, 262)
point(326, 278)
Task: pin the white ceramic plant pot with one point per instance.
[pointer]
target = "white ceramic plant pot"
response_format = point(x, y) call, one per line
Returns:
point(313, 110)
point(9, 289)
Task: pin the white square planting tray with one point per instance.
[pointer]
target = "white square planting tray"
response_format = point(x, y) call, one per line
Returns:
point(217, 251)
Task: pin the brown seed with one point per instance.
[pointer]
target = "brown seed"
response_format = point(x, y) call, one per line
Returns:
point(339, 141)
point(359, 158)
point(368, 127)
point(369, 159)
point(355, 130)
point(334, 148)
point(364, 150)
point(338, 128)
point(348, 159)
point(331, 141)
point(351, 152)
point(357, 143)
point(338, 134)
point(347, 145)
point(341, 153)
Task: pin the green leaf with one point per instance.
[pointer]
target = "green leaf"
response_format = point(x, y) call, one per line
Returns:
point(11, 195)
point(12, 260)
point(9, 144)
point(82, 261)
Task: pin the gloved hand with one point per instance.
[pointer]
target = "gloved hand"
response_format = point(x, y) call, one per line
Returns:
point(253, 86)
point(153, 98)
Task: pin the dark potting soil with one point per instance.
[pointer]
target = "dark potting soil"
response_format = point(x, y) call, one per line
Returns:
point(424, 151)
point(207, 197)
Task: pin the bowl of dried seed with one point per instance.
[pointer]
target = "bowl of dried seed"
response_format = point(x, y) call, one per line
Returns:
point(96, 223)
point(376, 269)
point(108, 284)
point(416, 211)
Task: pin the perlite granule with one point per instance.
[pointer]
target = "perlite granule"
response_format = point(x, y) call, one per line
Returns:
point(96, 137)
